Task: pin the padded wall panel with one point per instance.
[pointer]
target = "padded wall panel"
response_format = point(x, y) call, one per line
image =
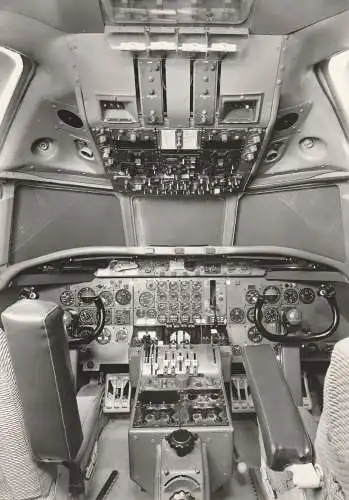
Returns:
point(47, 220)
point(179, 222)
point(306, 219)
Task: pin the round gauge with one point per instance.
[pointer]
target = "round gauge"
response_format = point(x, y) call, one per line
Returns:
point(173, 286)
point(107, 298)
point(185, 285)
point(86, 317)
point(185, 297)
point(250, 314)
point(237, 315)
point(84, 331)
point(307, 295)
point(290, 296)
point(146, 299)
point(196, 318)
point(151, 285)
point(162, 297)
point(85, 292)
point(173, 306)
point(162, 318)
point(67, 298)
point(121, 336)
point(270, 315)
point(173, 297)
point(162, 285)
point(196, 285)
point(123, 297)
point(254, 335)
point(185, 318)
point(196, 297)
point(173, 318)
point(104, 337)
point(140, 313)
point(162, 306)
point(196, 308)
point(185, 307)
point(108, 317)
point(151, 313)
point(272, 294)
point(251, 296)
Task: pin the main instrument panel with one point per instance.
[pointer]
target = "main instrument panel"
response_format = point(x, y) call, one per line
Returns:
point(162, 305)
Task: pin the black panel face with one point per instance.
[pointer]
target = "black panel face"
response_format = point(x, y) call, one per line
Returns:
point(183, 162)
point(47, 220)
point(179, 222)
point(305, 219)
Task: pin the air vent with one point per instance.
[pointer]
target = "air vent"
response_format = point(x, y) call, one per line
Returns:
point(287, 121)
point(70, 118)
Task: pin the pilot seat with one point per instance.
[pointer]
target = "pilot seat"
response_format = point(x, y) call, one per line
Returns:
point(48, 433)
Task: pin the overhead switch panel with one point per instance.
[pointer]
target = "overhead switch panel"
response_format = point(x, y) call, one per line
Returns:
point(151, 90)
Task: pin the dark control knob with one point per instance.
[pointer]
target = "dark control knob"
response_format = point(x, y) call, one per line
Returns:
point(182, 441)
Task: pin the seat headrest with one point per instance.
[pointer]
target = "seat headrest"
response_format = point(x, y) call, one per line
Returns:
point(40, 356)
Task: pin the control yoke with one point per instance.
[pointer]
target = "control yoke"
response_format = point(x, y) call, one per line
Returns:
point(328, 293)
point(94, 331)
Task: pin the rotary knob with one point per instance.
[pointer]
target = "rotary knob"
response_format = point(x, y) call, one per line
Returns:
point(182, 441)
point(182, 495)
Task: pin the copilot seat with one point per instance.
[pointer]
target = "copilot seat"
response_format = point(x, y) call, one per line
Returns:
point(299, 461)
point(47, 433)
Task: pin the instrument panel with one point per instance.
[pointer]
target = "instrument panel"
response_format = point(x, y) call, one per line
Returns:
point(179, 162)
point(188, 304)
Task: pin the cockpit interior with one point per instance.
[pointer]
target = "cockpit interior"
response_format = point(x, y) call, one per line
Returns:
point(174, 250)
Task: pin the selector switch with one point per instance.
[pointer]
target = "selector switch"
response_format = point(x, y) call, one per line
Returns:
point(182, 441)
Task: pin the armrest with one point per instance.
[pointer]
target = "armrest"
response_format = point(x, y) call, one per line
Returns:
point(89, 400)
point(284, 436)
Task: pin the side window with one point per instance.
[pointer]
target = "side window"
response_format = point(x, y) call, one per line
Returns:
point(336, 73)
point(15, 71)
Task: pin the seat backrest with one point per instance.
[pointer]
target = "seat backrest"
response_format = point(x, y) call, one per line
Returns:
point(332, 440)
point(21, 477)
point(39, 352)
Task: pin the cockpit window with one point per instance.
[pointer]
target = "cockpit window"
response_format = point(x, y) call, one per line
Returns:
point(337, 76)
point(14, 70)
point(174, 11)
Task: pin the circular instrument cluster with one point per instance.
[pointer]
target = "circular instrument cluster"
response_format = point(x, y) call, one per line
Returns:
point(116, 297)
point(170, 301)
point(277, 300)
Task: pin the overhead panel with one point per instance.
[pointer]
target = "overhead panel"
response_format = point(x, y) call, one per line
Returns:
point(151, 87)
point(205, 77)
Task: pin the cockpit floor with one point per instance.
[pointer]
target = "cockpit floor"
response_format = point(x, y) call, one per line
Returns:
point(113, 454)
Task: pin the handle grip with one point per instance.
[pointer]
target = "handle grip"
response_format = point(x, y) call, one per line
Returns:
point(325, 291)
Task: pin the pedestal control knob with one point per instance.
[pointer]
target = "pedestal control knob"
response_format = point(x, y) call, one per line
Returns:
point(293, 316)
point(182, 441)
point(182, 495)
